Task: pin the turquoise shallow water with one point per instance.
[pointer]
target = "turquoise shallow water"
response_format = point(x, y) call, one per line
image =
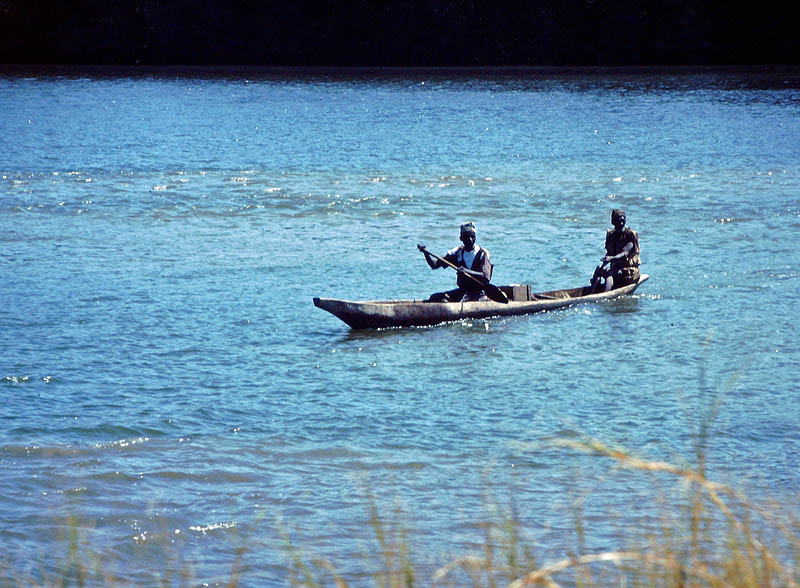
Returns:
point(166, 376)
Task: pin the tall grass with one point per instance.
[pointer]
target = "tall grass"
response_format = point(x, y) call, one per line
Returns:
point(722, 548)
point(710, 535)
point(713, 536)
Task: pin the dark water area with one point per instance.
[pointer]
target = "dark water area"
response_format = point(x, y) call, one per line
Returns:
point(166, 376)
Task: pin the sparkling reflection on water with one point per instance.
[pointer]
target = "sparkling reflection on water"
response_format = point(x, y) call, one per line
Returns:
point(167, 378)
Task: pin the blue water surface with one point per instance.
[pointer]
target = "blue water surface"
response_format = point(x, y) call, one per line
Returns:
point(167, 381)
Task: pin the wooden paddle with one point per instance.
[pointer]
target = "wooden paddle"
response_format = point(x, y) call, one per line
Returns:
point(492, 291)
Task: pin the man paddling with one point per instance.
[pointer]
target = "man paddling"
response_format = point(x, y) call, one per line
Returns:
point(620, 265)
point(472, 263)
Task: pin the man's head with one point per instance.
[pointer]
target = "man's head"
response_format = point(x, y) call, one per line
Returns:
point(618, 218)
point(468, 235)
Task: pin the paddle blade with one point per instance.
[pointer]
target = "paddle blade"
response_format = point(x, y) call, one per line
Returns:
point(495, 293)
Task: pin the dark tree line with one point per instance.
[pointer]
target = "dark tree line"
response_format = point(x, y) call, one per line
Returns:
point(411, 33)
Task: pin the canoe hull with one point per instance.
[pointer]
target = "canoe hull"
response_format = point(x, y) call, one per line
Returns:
point(377, 314)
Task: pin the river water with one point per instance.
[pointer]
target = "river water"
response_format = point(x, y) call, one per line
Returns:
point(170, 391)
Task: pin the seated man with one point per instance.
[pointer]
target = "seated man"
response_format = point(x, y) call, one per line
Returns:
point(471, 260)
point(620, 265)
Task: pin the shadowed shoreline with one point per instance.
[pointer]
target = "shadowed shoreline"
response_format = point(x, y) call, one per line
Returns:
point(361, 33)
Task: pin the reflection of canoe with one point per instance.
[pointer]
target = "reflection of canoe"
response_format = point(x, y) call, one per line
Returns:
point(374, 314)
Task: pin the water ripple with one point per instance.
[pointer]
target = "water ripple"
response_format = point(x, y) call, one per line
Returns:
point(168, 383)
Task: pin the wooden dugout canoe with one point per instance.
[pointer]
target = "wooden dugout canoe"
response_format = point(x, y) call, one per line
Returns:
point(377, 314)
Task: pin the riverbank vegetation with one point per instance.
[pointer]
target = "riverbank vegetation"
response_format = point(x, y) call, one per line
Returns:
point(712, 536)
point(416, 33)
point(680, 529)
point(709, 535)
